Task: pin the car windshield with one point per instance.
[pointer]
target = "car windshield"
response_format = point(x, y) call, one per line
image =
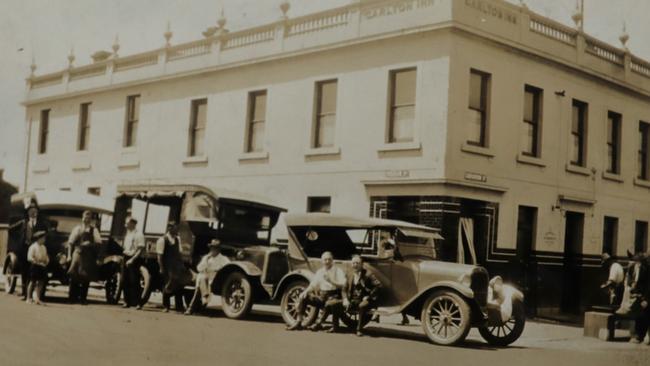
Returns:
point(342, 242)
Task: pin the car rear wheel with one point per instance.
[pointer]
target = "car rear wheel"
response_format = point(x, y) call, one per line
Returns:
point(445, 318)
point(289, 305)
point(11, 277)
point(508, 332)
point(113, 287)
point(236, 296)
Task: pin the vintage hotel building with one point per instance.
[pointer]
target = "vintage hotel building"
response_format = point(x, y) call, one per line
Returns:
point(524, 140)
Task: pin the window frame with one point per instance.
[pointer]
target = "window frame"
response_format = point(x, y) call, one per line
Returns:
point(193, 127)
point(83, 134)
point(251, 122)
point(613, 142)
point(581, 133)
point(319, 115)
point(643, 240)
point(537, 113)
point(643, 151)
point(484, 111)
point(312, 200)
point(131, 122)
point(43, 131)
point(392, 106)
point(610, 249)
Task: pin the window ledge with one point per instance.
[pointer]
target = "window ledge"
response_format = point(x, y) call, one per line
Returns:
point(641, 182)
point(251, 156)
point(400, 146)
point(531, 160)
point(193, 160)
point(128, 161)
point(128, 150)
point(319, 151)
point(478, 150)
point(577, 169)
point(81, 162)
point(613, 177)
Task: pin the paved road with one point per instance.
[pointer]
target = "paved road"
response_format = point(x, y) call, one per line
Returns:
point(100, 334)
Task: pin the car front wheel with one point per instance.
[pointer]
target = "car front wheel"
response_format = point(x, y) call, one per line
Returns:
point(445, 317)
point(289, 305)
point(503, 334)
point(236, 295)
point(11, 277)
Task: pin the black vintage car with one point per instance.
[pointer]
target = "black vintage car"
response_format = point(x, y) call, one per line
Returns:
point(240, 221)
point(62, 212)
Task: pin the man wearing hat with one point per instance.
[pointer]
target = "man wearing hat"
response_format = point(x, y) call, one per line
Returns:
point(208, 267)
point(172, 269)
point(38, 260)
point(615, 281)
point(27, 227)
point(132, 246)
point(82, 250)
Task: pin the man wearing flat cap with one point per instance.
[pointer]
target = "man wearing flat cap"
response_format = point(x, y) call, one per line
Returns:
point(172, 269)
point(82, 249)
point(208, 268)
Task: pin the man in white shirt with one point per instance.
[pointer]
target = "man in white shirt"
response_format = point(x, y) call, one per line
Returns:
point(133, 246)
point(323, 292)
point(208, 268)
point(615, 281)
point(81, 249)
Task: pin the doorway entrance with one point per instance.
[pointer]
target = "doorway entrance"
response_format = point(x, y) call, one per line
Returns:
point(526, 272)
point(573, 235)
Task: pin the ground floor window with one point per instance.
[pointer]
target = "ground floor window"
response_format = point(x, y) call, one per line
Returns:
point(319, 204)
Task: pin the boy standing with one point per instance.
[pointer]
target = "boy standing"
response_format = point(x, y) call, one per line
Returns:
point(38, 260)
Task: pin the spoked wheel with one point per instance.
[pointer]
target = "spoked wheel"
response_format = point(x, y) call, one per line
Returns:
point(113, 287)
point(445, 318)
point(236, 296)
point(11, 277)
point(503, 334)
point(289, 305)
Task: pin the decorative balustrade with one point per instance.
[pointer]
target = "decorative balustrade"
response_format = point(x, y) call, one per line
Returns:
point(640, 66)
point(135, 61)
point(257, 35)
point(87, 71)
point(196, 48)
point(47, 80)
point(553, 30)
point(313, 24)
point(605, 51)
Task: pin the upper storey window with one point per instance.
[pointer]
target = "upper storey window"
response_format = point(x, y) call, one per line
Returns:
point(479, 88)
point(402, 105)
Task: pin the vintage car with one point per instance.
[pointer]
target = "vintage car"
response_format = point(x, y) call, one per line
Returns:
point(449, 298)
point(62, 211)
point(242, 223)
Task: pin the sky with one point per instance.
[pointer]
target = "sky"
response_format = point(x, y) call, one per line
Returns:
point(47, 30)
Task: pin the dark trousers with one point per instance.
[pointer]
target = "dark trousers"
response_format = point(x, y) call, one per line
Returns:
point(329, 302)
point(361, 307)
point(641, 324)
point(131, 276)
point(78, 290)
point(178, 300)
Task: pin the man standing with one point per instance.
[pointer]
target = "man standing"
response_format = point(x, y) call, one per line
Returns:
point(32, 223)
point(208, 268)
point(615, 281)
point(82, 250)
point(133, 246)
point(323, 292)
point(174, 274)
point(361, 291)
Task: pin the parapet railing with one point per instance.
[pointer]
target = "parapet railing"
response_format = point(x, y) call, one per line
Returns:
point(348, 18)
point(552, 29)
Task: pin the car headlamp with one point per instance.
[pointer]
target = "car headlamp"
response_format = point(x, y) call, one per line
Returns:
point(240, 255)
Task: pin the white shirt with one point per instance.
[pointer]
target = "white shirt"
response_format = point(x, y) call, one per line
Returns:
point(210, 264)
point(616, 273)
point(37, 254)
point(133, 240)
point(327, 280)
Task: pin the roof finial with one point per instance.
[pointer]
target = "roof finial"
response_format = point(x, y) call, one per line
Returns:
point(32, 67)
point(221, 22)
point(522, 3)
point(116, 45)
point(624, 37)
point(284, 7)
point(168, 34)
point(578, 15)
point(71, 57)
